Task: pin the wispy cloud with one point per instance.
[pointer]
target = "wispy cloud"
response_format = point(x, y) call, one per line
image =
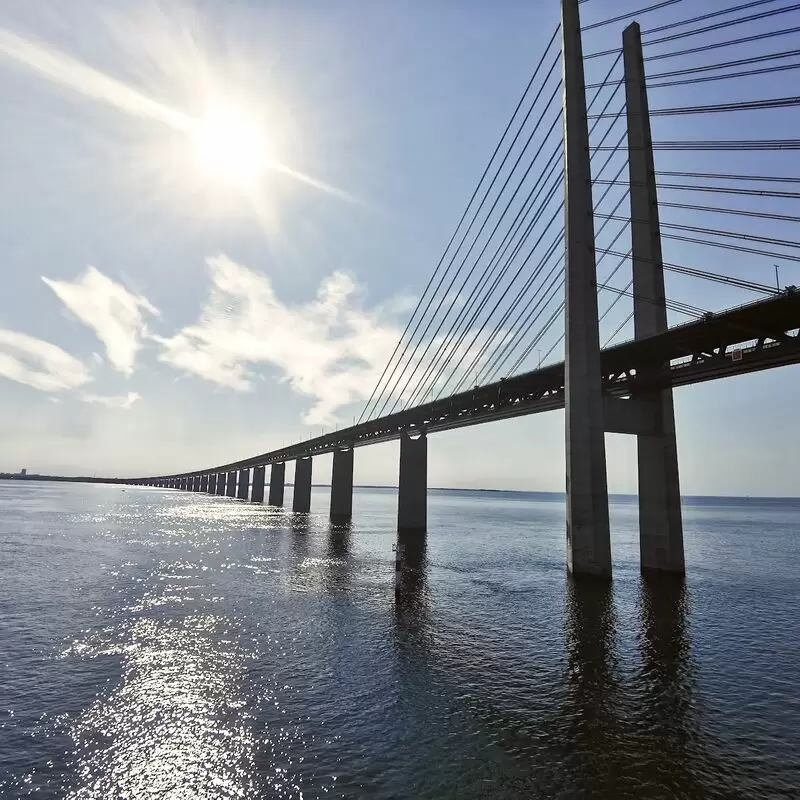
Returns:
point(330, 349)
point(39, 364)
point(122, 401)
point(110, 310)
point(67, 71)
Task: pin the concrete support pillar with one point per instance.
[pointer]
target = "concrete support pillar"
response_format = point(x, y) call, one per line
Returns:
point(660, 521)
point(257, 493)
point(183, 484)
point(190, 483)
point(277, 480)
point(342, 485)
point(412, 500)
point(588, 533)
point(212, 483)
point(244, 484)
point(221, 482)
point(230, 489)
point(301, 497)
point(204, 483)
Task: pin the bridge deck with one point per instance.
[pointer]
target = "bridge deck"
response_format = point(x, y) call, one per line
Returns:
point(697, 351)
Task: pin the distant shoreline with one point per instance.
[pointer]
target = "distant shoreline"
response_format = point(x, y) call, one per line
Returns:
point(13, 476)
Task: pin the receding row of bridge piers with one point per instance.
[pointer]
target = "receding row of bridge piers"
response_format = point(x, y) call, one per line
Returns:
point(250, 484)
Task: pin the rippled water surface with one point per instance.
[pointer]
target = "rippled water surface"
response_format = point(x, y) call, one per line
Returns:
point(168, 645)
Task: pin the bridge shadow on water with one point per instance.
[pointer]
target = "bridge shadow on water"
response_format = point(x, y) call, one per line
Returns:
point(629, 733)
point(411, 600)
point(608, 729)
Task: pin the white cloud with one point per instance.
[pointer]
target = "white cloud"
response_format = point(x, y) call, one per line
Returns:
point(39, 364)
point(331, 349)
point(123, 401)
point(110, 310)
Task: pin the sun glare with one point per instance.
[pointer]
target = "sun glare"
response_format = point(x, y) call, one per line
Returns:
point(231, 146)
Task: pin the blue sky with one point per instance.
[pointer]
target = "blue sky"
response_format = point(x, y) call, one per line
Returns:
point(157, 315)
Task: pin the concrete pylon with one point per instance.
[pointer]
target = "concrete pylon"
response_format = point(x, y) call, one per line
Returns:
point(204, 483)
point(257, 493)
point(222, 480)
point(230, 487)
point(342, 485)
point(190, 483)
point(660, 520)
point(277, 481)
point(301, 497)
point(183, 484)
point(588, 533)
point(412, 500)
point(212, 483)
point(244, 484)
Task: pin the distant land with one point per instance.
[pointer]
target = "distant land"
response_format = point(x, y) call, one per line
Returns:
point(29, 476)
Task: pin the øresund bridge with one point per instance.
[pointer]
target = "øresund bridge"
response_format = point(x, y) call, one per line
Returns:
point(518, 260)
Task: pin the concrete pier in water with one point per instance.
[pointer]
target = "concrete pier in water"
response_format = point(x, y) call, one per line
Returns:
point(244, 484)
point(257, 493)
point(342, 486)
point(588, 533)
point(301, 500)
point(277, 482)
point(412, 495)
point(660, 520)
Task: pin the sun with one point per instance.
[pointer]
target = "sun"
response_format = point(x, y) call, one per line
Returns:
point(231, 146)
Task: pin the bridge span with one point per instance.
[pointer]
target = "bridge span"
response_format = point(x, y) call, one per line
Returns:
point(753, 337)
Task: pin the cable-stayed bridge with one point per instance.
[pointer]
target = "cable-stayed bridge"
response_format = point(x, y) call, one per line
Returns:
point(609, 196)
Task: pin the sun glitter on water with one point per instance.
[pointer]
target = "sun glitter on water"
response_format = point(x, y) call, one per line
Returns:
point(231, 146)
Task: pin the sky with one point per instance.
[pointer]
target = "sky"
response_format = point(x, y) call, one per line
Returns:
point(216, 218)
